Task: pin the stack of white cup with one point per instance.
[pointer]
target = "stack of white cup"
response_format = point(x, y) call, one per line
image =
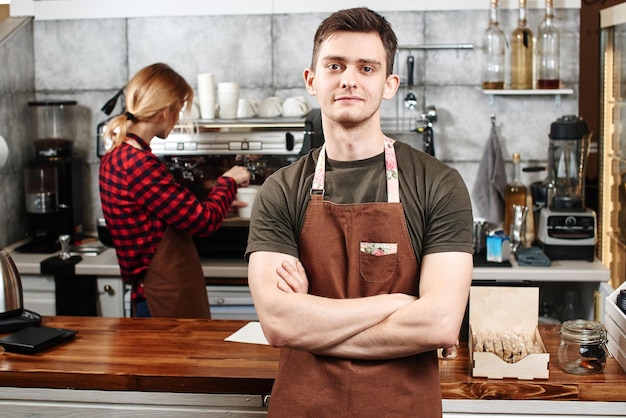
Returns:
point(206, 95)
point(228, 99)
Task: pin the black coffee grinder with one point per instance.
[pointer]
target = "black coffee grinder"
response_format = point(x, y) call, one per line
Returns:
point(53, 180)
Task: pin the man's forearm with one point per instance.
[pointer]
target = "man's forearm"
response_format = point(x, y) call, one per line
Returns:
point(293, 318)
point(385, 340)
point(413, 329)
point(316, 323)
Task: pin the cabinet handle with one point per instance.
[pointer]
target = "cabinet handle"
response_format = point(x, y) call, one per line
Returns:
point(108, 289)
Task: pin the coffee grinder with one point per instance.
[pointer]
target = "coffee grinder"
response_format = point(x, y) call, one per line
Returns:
point(566, 229)
point(52, 181)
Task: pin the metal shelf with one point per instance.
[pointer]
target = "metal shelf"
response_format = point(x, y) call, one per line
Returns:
point(435, 46)
point(530, 92)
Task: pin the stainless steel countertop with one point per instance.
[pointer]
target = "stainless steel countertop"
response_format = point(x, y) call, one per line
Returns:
point(105, 264)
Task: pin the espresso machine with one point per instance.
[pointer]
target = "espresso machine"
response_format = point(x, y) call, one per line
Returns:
point(52, 180)
point(263, 145)
point(566, 229)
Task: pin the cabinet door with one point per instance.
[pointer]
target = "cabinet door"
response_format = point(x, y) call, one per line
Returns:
point(613, 142)
point(111, 296)
point(39, 294)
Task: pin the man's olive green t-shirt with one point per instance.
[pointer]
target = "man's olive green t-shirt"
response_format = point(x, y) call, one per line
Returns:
point(434, 197)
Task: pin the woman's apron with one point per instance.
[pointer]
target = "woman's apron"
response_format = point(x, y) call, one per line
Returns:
point(174, 283)
point(354, 251)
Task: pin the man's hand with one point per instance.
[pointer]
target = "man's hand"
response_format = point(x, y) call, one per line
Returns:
point(294, 278)
point(450, 352)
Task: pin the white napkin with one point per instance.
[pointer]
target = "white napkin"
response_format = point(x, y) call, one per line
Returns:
point(249, 333)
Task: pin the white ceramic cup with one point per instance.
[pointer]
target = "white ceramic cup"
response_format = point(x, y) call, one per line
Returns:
point(247, 108)
point(206, 95)
point(296, 107)
point(228, 99)
point(246, 194)
point(271, 107)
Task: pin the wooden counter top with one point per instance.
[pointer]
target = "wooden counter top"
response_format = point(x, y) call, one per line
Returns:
point(169, 355)
point(191, 356)
point(608, 386)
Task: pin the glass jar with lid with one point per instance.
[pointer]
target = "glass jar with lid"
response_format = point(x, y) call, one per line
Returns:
point(583, 347)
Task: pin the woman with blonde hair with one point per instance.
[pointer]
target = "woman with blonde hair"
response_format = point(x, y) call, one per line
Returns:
point(151, 217)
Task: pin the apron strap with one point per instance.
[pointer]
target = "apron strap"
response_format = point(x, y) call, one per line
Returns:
point(391, 170)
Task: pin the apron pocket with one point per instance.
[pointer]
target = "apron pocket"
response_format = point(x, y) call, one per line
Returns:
point(378, 261)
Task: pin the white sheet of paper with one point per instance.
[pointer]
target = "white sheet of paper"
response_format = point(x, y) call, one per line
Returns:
point(250, 333)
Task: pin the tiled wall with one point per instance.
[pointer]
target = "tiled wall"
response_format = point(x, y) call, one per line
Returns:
point(89, 60)
point(17, 73)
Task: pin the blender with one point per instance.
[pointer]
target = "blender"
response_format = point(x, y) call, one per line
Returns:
point(52, 180)
point(566, 229)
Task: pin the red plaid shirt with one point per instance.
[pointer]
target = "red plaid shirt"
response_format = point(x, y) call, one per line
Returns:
point(140, 198)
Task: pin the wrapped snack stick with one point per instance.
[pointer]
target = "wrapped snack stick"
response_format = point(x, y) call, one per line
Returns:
point(517, 349)
point(521, 344)
point(532, 347)
point(498, 348)
point(489, 342)
point(508, 348)
point(478, 341)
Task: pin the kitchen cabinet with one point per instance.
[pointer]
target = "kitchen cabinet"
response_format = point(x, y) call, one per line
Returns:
point(229, 295)
point(39, 295)
point(612, 223)
point(231, 302)
point(111, 296)
point(227, 302)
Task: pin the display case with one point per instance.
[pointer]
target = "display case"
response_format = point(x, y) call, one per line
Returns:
point(612, 222)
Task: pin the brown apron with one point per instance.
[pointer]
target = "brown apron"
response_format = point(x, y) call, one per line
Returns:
point(366, 250)
point(174, 283)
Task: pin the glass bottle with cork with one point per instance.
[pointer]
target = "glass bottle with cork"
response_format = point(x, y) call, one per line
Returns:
point(522, 53)
point(548, 51)
point(494, 43)
point(515, 194)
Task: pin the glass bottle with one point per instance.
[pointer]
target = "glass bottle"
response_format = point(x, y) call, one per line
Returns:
point(515, 194)
point(522, 53)
point(493, 51)
point(548, 51)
